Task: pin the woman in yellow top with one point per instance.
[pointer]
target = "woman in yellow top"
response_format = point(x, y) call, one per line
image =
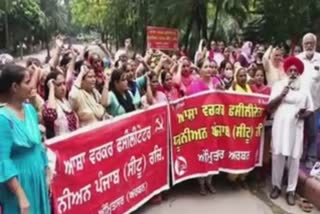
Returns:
point(85, 99)
point(240, 85)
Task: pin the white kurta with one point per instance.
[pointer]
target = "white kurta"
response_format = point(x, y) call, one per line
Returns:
point(287, 129)
point(310, 79)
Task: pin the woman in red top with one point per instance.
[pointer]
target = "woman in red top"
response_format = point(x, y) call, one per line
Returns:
point(97, 65)
point(258, 86)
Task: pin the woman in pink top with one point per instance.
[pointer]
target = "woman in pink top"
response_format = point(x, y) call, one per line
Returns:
point(224, 78)
point(184, 76)
point(170, 89)
point(206, 80)
point(154, 94)
point(204, 83)
point(245, 58)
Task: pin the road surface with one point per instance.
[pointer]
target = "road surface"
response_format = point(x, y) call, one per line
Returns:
point(184, 199)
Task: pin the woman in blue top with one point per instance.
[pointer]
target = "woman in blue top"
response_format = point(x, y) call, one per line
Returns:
point(135, 84)
point(118, 99)
point(23, 163)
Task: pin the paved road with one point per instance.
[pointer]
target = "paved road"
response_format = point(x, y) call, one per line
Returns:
point(184, 199)
point(41, 55)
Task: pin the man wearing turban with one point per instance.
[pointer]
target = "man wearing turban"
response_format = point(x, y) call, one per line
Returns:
point(290, 106)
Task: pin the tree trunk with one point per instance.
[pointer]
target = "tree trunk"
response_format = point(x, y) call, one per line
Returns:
point(48, 50)
point(215, 23)
point(188, 31)
point(116, 33)
point(6, 25)
point(67, 3)
point(204, 18)
point(146, 22)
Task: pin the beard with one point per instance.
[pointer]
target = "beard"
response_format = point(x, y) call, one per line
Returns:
point(309, 53)
point(294, 82)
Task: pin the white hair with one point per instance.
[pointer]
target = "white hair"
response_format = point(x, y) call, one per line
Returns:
point(6, 59)
point(307, 36)
point(119, 53)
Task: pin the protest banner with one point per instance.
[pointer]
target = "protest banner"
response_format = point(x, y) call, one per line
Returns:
point(113, 167)
point(162, 38)
point(214, 132)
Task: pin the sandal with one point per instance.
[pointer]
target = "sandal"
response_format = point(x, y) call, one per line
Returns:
point(156, 199)
point(305, 205)
point(211, 188)
point(203, 190)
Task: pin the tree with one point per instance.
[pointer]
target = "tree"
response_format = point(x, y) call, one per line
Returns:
point(278, 21)
point(20, 17)
point(196, 19)
point(230, 14)
point(36, 19)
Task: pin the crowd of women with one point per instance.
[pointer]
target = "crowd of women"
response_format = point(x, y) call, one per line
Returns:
point(79, 88)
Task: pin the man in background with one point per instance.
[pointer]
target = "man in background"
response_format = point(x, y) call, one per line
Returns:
point(310, 81)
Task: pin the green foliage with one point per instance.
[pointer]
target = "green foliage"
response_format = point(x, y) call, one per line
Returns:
point(281, 20)
point(39, 19)
point(262, 20)
point(23, 17)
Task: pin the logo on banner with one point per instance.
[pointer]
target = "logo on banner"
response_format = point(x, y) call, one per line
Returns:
point(180, 166)
point(159, 124)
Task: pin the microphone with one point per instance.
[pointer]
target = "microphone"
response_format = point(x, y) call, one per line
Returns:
point(290, 83)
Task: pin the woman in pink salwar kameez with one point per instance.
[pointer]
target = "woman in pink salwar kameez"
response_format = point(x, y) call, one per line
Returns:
point(204, 83)
point(184, 76)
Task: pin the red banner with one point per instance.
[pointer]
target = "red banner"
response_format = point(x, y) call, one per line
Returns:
point(114, 167)
point(213, 132)
point(162, 38)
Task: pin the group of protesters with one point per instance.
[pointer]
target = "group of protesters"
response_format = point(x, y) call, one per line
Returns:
point(80, 87)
